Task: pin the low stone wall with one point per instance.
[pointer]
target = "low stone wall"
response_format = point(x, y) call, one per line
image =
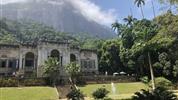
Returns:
point(107, 79)
point(15, 82)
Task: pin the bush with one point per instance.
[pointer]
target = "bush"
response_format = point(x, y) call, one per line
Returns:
point(144, 79)
point(34, 82)
point(100, 93)
point(75, 95)
point(162, 82)
point(159, 93)
point(9, 82)
point(107, 98)
point(13, 82)
point(80, 81)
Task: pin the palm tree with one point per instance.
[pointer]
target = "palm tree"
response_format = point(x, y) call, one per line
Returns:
point(73, 70)
point(151, 72)
point(153, 8)
point(52, 70)
point(116, 27)
point(139, 3)
point(147, 36)
point(129, 20)
point(149, 58)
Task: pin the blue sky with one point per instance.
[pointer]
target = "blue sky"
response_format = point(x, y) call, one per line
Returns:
point(122, 8)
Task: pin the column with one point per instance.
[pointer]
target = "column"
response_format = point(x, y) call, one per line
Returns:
point(61, 60)
point(17, 64)
point(20, 61)
point(6, 67)
point(7, 63)
point(23, 63)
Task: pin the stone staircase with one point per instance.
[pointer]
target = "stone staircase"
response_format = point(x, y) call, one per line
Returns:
point(63, 90)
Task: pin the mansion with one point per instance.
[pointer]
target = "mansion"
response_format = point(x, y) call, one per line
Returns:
point(28, 59)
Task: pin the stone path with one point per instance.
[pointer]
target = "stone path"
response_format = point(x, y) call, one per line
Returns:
point(63, 91)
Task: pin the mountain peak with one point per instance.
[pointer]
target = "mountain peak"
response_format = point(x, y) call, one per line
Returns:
point(63, 15)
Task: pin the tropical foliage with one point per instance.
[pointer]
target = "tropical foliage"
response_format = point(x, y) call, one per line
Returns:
point(129, 52)
point(100, 93)
point(159, 93)
point(75, 95)
point(73, 69)
point(52, 70)
point(162, 82)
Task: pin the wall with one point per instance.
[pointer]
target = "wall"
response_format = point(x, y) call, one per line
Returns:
point(8, 53)
point(89, 55)
point(44, 51)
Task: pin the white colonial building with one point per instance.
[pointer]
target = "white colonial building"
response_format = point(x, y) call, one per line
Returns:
point(28, 59)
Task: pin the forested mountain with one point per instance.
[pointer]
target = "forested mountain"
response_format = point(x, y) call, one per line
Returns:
point(61, 15)
point(29, 32)
point(23, 31)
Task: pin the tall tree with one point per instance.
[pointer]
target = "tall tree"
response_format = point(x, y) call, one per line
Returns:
point(117, 27)
point(153, 8)
point(139, 3)
point(129, 20)
point(110, 60)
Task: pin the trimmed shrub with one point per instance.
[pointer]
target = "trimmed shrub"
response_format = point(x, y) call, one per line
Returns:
point(100, 93)
point(144, 79)
point(162, 82)
point(13, 82)
point(75, 95)
point(80, 81)
point(34, 82)
point(9, 82)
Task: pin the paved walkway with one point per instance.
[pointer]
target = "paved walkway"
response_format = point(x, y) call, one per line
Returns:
point(86, 98)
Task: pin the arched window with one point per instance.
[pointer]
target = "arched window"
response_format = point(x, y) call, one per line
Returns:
point(29, 59)
point(72, 58)
point(55, 54)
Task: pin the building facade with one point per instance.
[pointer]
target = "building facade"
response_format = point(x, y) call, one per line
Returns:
point(28, 59)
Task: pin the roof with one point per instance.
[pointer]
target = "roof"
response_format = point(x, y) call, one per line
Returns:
point(89, 50)
point(9, 45)
point(56, 42)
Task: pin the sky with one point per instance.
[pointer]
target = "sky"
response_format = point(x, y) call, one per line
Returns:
point(106, 12)
point(123, 8)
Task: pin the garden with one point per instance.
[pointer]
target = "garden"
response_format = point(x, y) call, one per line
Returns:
point(145, 50)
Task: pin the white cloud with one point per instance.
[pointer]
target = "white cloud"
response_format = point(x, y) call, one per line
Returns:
point(10, 1)
point(94, 12)
point(87, 8)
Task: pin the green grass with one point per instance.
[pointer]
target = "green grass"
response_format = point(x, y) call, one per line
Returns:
point(28, 93)
point(123, 90)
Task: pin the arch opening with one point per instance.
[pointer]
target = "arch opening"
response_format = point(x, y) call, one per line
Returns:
point(55, 54)
point(73, 58)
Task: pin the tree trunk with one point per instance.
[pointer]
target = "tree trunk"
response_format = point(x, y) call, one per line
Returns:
point(72, 83)
point(131, 12)
point(151, 72)
point(142, 11)
point(153, 8)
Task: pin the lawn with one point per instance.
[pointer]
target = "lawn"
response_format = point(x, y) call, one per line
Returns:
point(28, 93)
point(123, 90)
